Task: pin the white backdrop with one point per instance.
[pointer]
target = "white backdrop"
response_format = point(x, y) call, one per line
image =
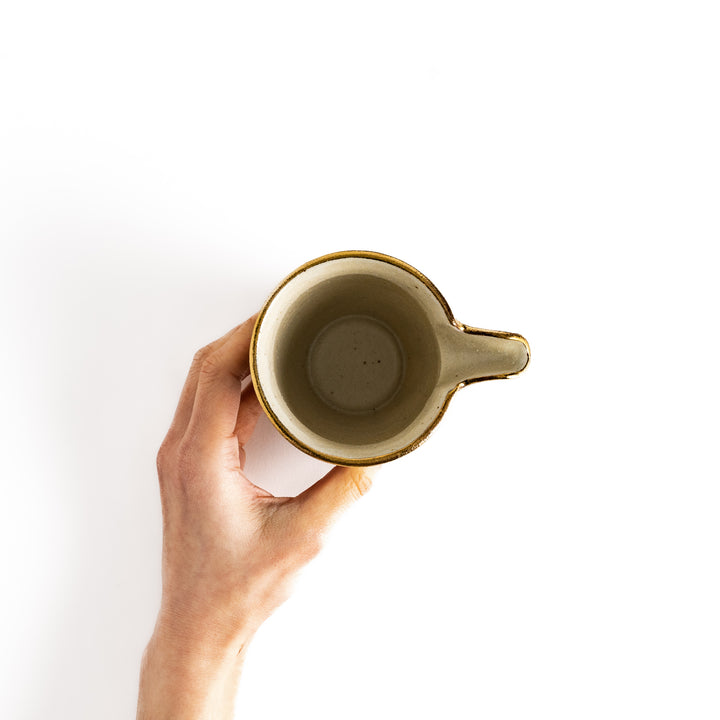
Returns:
point(552, 550)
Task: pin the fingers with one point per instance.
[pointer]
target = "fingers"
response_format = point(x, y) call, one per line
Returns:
point(219, 386)
point(187, 396)
point(248, 415)
point(320, 505)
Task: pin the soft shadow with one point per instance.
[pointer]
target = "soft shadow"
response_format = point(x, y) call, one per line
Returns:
point(122, 332)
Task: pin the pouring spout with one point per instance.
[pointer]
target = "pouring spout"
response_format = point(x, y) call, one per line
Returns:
point(470, 354)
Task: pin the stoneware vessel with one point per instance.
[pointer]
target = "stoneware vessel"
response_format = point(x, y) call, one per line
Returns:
point(356, 355)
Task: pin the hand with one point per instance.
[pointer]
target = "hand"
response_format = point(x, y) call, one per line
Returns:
point(230, 549)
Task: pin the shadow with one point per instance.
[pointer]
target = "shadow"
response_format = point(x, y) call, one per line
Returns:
point(121, 330)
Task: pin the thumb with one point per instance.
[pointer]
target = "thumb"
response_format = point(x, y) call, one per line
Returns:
point(320, 505)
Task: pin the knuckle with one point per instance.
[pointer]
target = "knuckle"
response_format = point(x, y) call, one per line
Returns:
point(302, 546)
point(313, 545)
point(209, 364)
point(163, 456)
point(359, 484)
point(200, 355)
point(308, 549)
point(164, 461)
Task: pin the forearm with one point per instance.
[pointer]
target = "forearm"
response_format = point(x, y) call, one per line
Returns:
point(188, 680)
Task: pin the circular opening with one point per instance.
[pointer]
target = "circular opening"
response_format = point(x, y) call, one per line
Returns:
point(356, 358)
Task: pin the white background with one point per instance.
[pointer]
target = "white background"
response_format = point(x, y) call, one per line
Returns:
point(552, 550)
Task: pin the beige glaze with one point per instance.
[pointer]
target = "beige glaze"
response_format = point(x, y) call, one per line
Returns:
point(356, 354)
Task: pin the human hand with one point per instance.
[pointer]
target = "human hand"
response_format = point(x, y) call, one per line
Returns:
point(230, 549)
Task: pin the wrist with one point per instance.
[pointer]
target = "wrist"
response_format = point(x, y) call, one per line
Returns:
point(189, 670)
point(200, 638)
point(186, 681)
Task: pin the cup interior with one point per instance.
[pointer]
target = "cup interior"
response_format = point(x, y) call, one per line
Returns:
point(348, 358)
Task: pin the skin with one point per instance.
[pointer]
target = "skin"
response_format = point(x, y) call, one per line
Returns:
point(230, 549)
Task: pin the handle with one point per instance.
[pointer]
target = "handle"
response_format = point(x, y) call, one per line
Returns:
point(470, 355)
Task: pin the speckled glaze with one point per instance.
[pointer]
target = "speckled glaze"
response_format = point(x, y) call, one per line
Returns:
point(356, 355)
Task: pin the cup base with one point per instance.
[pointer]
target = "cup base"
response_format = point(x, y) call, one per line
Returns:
point(356, 364)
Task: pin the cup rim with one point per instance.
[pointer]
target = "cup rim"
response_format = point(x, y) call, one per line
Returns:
point(287, 434)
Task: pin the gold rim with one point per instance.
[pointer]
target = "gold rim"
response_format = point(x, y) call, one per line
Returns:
point(376, 460)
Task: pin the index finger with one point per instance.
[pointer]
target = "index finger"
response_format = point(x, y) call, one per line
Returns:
point(187, 395)
point(217, 398)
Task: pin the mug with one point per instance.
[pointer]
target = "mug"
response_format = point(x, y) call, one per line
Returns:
point(356, 355)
